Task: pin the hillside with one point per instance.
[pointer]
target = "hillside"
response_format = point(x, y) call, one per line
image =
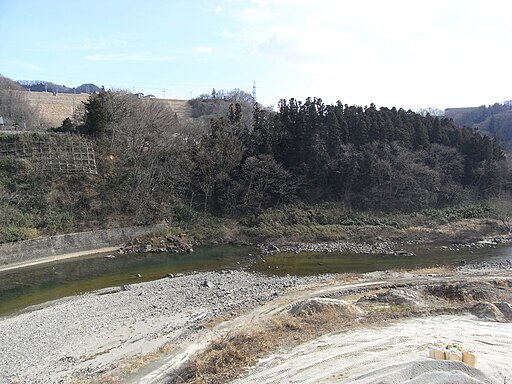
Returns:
point(46, 86)
point(494, 120)
point(181, 107)
point(55, 108)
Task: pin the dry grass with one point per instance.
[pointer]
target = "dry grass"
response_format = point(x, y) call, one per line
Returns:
point(231, 354)
point(124, 368)
point(228, 356)
point(54, 109)
point(181, 107)
point(441, 270)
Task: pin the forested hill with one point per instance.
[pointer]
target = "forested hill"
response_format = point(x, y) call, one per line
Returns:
point(384, 159)
point(153, 165)
point(307, 152)
point(493, 120)
point(46, 86)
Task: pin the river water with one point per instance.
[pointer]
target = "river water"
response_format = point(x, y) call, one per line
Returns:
point(38, 284)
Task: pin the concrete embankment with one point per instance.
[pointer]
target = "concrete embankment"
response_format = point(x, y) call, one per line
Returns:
point(49, 248)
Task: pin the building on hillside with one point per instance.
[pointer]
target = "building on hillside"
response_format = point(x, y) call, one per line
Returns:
point(2, 125)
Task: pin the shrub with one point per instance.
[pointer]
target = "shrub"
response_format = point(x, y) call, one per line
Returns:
point(13, 233)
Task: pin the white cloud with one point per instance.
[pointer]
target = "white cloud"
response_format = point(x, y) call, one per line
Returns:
point(129, 57)
point(203, 49)
point(103, 43)
point(227, 34)
point(413, 53)
point(25, 65)
point(96, 43)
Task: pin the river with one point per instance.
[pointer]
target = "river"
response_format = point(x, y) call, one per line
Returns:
point(38, 284)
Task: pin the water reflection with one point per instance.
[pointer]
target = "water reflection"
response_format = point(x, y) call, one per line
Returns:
point(309, 263)
point(32, 285)
point(21, 288)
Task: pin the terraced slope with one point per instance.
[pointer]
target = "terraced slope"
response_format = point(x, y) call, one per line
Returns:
point(54, 109)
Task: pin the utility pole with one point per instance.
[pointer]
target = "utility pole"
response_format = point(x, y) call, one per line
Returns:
point(254, 91)
point(164, 93)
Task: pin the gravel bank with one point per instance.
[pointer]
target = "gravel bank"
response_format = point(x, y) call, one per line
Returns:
point(84, 336)
point(378, 247)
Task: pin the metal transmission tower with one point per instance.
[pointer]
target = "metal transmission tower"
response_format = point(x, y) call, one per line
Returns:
point(254, 91)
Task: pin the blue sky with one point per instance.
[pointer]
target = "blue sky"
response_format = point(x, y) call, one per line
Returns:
point(409, 54)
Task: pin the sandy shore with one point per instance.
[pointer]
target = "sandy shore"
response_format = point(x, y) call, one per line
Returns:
point(85, 338)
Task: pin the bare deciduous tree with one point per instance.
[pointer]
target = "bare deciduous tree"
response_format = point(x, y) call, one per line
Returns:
point(502, 210)
point(15, 107)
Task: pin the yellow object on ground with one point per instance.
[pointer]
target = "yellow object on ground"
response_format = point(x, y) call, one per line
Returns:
point(453, 352)
point(454, 355)
point(469, 357)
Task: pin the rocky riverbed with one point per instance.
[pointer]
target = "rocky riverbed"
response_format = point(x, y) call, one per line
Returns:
point(84, 336)
point(380, 247)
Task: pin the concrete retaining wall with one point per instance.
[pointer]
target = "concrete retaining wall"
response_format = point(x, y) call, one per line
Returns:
point(29, 250)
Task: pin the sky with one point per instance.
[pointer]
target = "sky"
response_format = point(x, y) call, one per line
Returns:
point(403, 53)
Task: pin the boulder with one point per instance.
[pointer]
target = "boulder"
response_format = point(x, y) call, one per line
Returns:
point(506, 310)
point(400, 297)
point(486, 311)
point(321, 304)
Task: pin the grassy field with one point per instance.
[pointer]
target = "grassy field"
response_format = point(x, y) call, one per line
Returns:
point(181, 107)
point(54, 109)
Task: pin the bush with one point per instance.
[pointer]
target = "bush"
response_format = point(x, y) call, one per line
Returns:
point(12, 233)
point(458, 212)
point(328, 214)
point(182, 213)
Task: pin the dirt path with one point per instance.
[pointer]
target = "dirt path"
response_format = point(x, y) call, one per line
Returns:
point(91, 336)
point(358, 352)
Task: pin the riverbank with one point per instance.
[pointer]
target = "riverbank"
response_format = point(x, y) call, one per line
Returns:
point(59, 247)
point(366, 235)
point(139, 333)
point(85, 336)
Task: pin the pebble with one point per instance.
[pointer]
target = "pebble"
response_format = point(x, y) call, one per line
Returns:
point(380, 247)
point(48, 346)
point(486, 266)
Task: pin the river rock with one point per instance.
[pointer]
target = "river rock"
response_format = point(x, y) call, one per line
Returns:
point(404, 253)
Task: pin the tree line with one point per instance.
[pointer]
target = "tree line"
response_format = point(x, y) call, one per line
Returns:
point(367, 158)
